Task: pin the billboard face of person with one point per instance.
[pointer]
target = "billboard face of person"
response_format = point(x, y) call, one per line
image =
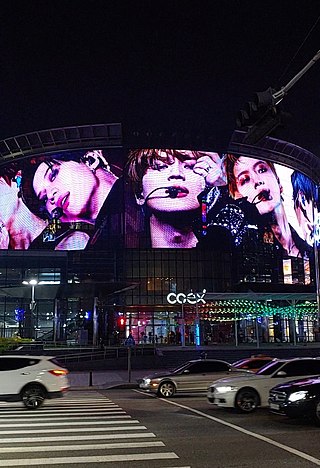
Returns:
point(168, 183)
point(68, 186)
point(176, 177)
point(269, 189)
point(305, 214)
point(306, 203)
point(55, 200)
point(256, 181)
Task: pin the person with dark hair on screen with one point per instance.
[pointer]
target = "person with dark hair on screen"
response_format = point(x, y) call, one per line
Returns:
point(306, 203)
point(167, 184)
point(71, 190)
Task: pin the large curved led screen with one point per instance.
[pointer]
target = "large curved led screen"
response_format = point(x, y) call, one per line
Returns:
point(155, 198)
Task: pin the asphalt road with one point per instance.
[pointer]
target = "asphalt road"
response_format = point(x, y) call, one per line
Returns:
point(128, 428)
point(204, 436)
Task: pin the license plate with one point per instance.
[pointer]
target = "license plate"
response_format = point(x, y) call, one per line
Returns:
point(274, 406)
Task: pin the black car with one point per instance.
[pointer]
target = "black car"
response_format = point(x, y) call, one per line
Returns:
point(297, 399)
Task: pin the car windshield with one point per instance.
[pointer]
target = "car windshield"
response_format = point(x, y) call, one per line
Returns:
point(269, 368)
point(180, 369)
point(239, 363)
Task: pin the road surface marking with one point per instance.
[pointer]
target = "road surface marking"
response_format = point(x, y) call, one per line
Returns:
point(112, 420)
point(291, 450)
point(62, 418)
point(82, 429)
point(28, 440)
point(61, 448)
point(92, 459)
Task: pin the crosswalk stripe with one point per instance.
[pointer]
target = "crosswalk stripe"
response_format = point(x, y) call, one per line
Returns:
point(61, 448)
point(84, 400)
point(90, 459)
point(73, 414)
point(66, 400)
point(73, 423)
point(29, 440)
point(82, 397)
point(63, 402)
point(39, 413)
point(76, 405)
point(116, 415)
point(82, 429)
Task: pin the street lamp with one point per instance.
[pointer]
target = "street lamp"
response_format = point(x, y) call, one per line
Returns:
point(33, 282)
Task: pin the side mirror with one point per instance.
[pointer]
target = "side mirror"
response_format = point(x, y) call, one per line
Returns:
point(186, 371)
point(281, 373)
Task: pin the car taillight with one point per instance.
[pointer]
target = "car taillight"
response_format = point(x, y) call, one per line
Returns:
point(58, 372)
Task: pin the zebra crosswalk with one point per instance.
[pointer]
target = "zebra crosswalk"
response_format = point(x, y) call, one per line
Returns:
point(83, 428)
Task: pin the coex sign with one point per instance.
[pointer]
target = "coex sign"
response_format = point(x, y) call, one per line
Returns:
point(190, 298)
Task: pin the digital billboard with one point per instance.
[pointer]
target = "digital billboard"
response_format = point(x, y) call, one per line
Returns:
point(154, 198)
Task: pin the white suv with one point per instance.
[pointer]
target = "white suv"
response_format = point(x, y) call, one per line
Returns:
point(31, 379)
point(249, 391)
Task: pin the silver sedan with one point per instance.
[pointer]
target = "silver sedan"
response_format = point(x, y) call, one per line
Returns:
point(192, 376)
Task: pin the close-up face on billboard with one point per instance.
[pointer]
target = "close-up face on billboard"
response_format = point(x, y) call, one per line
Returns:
point(154, 198)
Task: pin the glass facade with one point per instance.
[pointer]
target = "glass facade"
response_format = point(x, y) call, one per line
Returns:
point(131, 290)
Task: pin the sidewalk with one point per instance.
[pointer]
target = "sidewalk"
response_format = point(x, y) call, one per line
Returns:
point(107, 379)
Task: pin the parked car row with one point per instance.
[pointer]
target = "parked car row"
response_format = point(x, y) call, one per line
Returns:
point(288, 386)
point(198, 374)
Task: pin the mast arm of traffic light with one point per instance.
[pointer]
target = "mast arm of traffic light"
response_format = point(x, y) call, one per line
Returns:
point(279, 95)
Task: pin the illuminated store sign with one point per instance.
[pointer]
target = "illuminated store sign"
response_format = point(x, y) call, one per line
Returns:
point(190, 298)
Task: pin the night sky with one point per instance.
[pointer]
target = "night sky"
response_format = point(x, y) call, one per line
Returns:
point(161, 66)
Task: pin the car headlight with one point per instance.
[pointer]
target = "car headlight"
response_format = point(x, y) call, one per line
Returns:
point(147, 381)
point(295, 396)
point(225, 389)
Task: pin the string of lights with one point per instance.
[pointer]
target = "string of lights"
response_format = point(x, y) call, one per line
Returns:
point(232, 310)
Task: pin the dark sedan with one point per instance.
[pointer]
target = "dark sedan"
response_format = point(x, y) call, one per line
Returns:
point(297, 399)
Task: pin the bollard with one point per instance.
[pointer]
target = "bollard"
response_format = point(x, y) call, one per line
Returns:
point(90, 379)
point(129, 364)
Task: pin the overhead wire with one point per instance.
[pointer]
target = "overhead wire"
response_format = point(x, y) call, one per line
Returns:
point(299, 48)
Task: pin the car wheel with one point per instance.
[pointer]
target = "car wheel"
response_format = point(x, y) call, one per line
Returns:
point(33, 396)
point(166, 390)
point(247, 400)
point(317, 413)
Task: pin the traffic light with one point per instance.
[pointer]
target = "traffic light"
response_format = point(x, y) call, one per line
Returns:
point(256, 109)
point(261, 116)
point(265, 99)
point(265, 126)
point(121, 323)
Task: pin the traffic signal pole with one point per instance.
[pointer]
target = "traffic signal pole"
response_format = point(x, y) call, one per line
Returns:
point(279, 95)
point(261, 115)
